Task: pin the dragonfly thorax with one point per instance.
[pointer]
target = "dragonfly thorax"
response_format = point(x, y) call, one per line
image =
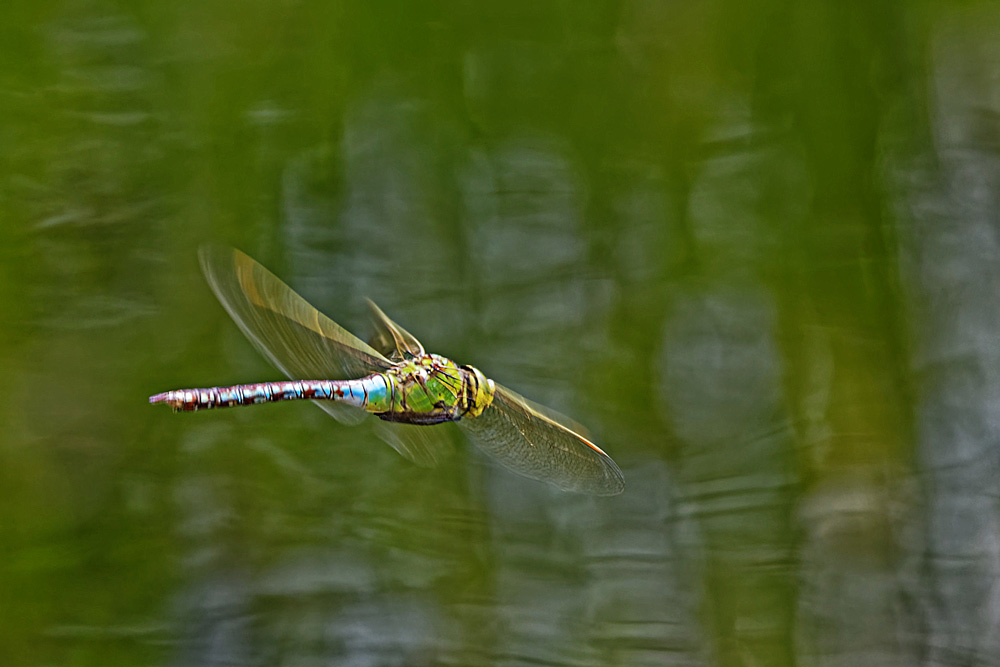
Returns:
point(431, 389)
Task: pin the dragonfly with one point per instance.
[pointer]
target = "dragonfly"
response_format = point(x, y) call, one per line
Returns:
point(391, 377)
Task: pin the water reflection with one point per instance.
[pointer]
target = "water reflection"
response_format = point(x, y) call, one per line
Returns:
point(950, 271)
point(752, 248)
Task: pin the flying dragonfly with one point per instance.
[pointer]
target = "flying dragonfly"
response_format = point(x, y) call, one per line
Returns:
point(393, 378)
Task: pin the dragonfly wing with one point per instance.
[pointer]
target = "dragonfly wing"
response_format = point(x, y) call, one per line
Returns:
point(536, 444)
point(391, 339)
point(423, 445)
point(345, 414)
point(298, 339)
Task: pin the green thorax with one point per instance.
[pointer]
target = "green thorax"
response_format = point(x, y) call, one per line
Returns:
point(430, 389)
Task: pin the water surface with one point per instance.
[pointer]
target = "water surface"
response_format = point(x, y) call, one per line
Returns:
point(753, 248)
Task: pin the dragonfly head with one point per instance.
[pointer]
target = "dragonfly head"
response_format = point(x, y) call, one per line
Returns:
point(479, 391)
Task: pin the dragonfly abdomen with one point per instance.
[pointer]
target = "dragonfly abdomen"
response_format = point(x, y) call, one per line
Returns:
point(352, 392)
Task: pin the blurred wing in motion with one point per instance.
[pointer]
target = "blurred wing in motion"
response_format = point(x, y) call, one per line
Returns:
point(391, 339)
point(424, 445)
point(298, 339)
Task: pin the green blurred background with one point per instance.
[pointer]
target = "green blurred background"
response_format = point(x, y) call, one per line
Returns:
point(754, 247)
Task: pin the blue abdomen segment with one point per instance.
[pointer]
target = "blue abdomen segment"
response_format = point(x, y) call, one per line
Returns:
point(369, 393)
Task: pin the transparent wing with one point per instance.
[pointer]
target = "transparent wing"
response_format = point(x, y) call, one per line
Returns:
point(298, 339)
point(424, 445)
point(391, 339)
point(537, 443)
